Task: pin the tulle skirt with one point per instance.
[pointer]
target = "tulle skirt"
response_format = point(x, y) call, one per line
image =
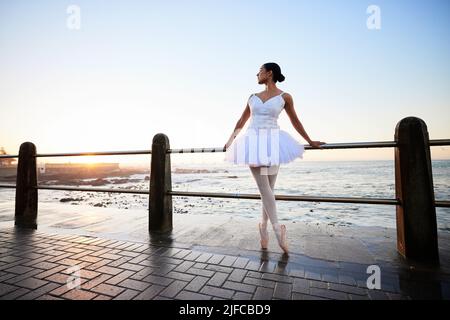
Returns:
point(264, 147)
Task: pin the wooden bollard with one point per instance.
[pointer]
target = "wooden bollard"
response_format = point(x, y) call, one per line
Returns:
point(160, 206)
point(26, 183)
point(416, 215)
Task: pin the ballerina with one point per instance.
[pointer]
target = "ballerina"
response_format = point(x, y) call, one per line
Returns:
point(264, 146)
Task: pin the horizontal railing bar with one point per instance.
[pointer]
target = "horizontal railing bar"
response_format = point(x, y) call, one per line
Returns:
point(442, 203)
point(440, 142)
point(378, 144)
point(8, 186)
point(103, 153)
point(92, 189)
point(438, 203)
point(352, 145)
point(287, 197)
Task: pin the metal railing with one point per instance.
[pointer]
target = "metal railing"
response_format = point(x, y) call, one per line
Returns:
point(411, 141)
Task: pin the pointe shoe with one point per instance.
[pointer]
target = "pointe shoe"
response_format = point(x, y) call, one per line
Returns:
point(264, 237)
point(282, 239)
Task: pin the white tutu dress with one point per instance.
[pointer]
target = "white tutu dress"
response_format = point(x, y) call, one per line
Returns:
point(264, 143)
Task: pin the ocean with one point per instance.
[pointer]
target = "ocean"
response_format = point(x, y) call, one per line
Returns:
point(373, 179)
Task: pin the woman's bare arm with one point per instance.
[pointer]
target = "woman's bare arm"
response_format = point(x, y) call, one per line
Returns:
point(239, 125)
point(290, 110)
point(289, 107)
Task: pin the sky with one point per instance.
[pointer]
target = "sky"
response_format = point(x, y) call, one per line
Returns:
point(186, 69)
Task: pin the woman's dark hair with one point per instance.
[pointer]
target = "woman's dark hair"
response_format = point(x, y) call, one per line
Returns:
point(276, 70)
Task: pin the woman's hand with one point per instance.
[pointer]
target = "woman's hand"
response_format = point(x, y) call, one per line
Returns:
point(316, 144)
point(226, 145)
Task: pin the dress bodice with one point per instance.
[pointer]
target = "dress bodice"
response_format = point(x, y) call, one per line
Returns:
point(265, 114)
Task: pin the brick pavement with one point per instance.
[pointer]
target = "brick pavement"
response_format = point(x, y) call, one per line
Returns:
point(37, 265)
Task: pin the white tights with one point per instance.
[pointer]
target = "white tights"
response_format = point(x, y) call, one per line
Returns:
point(265, 178)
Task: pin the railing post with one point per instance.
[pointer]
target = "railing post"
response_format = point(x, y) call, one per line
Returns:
point(160, 202)
point(26, 183)
point(416, 214)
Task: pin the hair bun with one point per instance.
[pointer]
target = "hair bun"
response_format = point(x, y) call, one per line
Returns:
point(281, 78)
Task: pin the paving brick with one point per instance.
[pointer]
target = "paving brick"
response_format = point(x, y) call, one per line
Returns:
point(142, 274)
point(134, 284)
point(14, 294)
point(186, 265)
point(348, 289)
point(260, 282)
point(131, 266)
point(187, 295)
point(282, 291)
point(277, 277)
point(129, 253)
point(192, 256)
point(45, 265)
point(39, 292)
point(204, 257)
point(181, 254)
point(19, 269)
point(107, 289)
point(217, 292)
point(78, 294)
point(119, 262)
point(150, 292)
point(297, 273)
point(6, 288)
point(128, 294)
point(239, 286)
point(158, 280)
point(22, 277)
point(47, 273)
point(197, 283)
point(237, 275)
point(358, 297)
point(109, 270)
point(263, 294)
point(90, 259)
point(102, 297)
point(301, 296)
point(252, 265)
point(60, 278)
point(163, 269)
point(228, 261)
point(242, 296)
point(313, 275)
point(215, 259)
point(254, 274)
point(173, 289)
point(180, 276)
point(377, 295)
point(200, 272)
point(267, 266)
point(345, 279)
point(330, 294)
point(219, 268)
point(120, 277)
point(218, 279)
point(301, 286)
point(96, 281)
point(240, 262)
point(31, 283)
point(98, 264)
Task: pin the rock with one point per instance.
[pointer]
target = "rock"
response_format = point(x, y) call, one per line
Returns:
point(70, 199)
